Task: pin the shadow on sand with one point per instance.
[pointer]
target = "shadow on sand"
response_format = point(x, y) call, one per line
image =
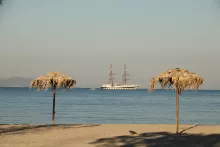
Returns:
point(160, 139)
point(18, 129)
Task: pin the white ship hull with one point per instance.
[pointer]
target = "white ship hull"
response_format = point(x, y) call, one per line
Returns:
point(119, 87)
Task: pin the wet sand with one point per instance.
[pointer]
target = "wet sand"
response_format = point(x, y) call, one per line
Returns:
point(108, 135)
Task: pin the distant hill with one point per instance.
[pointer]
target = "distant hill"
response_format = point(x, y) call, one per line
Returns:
point(15, 82)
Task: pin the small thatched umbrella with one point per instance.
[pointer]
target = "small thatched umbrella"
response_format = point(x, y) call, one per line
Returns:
point(180, 79)
point(53, 80)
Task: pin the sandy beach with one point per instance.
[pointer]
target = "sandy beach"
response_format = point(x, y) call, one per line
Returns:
point(108, 135)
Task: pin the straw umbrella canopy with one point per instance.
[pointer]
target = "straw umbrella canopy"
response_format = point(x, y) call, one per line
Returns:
point(53, 80)
point(180, 79)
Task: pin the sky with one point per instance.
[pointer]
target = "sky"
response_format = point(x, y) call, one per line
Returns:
point(81, 38)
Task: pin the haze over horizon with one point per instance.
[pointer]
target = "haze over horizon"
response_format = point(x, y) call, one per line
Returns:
point(82, 38)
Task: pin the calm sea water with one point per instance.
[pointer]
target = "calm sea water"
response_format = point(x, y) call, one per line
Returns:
point(76, 106)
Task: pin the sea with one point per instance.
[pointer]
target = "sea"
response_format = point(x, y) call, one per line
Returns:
point(97, 106)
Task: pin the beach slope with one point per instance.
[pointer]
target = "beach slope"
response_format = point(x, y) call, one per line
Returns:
point(108, 135)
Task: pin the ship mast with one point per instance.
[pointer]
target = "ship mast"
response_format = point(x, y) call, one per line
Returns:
point(111, 78)
point(125, 75)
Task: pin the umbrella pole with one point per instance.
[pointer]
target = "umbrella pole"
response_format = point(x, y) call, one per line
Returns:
point(53, 112)
point(177, 111)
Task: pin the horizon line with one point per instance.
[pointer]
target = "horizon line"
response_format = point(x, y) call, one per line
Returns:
point(100, 88)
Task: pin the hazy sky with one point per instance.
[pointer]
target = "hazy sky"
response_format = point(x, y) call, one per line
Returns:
point(81, 38)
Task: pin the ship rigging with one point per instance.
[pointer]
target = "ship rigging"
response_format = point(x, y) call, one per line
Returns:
point(124, 84)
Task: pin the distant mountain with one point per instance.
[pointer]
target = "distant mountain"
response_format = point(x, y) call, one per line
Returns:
point(15, 82)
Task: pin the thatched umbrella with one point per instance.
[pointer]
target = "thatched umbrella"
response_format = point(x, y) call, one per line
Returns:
point(53, 80)
point(180, 79)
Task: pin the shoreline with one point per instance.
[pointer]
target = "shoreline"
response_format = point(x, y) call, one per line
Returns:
point(91, 135)
point(5, 128)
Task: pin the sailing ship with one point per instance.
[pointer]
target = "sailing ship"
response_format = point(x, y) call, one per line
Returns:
point(124, 85)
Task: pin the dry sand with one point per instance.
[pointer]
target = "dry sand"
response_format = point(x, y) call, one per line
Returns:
point(111, 135)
